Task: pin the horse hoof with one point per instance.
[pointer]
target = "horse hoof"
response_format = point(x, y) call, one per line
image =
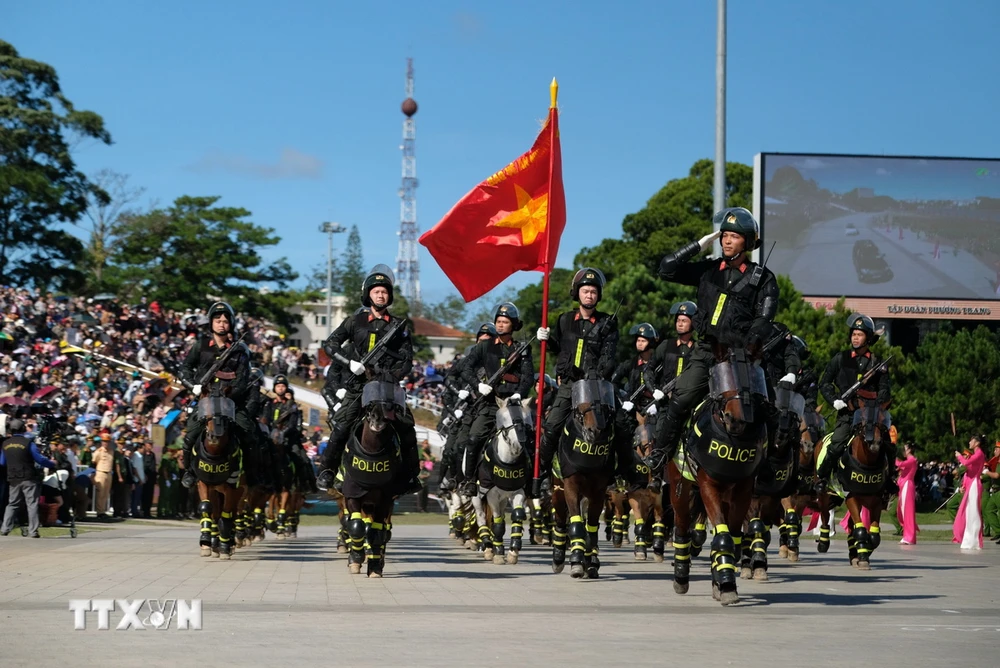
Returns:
point(225, 556)
point(864, 566)
point(783, 551)
point(593, 574)
point(558, 568)
point(760, 574)
point(353, 568)
point(451, 534)
point(716, 594)
point(576, 571)
point(854, 562)
point(823, 548)
point(374, 574)
point(488, 554)
point(793, 556)
point(281, 536)
point(499, 560)
point(681, 588)
point(640, 556)
point(695, 551)
point(658, 558)
point(746, 573)
point(206, 551)
point(729, 597)
point(341, 549)
point(512, 558)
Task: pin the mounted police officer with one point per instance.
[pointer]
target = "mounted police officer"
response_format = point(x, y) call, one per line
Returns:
point(256, 466)
point(672, 353)
point(484, 360)
point(365, 328)
point(639, 372)
point(459, 421)
point(844, 370)
point(232, 379)
point(737, 300)
point(806, 382)
point(584, 341)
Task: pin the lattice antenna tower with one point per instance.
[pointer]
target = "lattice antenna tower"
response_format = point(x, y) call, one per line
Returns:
point(407, 260)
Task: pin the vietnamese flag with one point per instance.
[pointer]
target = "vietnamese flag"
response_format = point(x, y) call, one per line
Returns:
point(510, 222)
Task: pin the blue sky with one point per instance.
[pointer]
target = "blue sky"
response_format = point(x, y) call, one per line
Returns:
point(292, 109)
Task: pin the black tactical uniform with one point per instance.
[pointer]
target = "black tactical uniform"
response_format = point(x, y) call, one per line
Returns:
point(639, 372)
point(233, 377)
point(256, 460)
point(736, 305)
point(807, 382)
point(844, 370)
point(484, 360)
point(672, 353)
point(585, 349)
point(365, 329)
point(338, 376)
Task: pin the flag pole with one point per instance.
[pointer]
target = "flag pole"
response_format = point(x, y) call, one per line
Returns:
point(536, 483)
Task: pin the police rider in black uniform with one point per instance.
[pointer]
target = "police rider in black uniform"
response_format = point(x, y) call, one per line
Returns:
point(737, 301)
point(583, 355)
point(364, 328)
point(672, 353)
point(484, 360)
point(846, 368)
point(640, 371)
point(234, 377)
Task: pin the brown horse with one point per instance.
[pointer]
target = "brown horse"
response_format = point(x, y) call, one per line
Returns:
point(727, 444)
point(862, 473)
point(647, 504)
point(216, 465)
point(812, 428)
point(579, 485)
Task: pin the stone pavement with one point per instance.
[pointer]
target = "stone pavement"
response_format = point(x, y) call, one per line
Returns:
point(294, 603)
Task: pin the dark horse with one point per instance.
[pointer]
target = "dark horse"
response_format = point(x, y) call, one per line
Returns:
point(862, 473)
point(721, 457)
point(371, 466)
point(583, 469)
point(217, 466)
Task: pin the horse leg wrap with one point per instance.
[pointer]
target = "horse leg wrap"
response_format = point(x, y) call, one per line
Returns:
point(617, 532)
point(517, 517)
point(559, 544)
point(682, 558)
point(698, 538)
point(375, 546)
point(205, 508)
point(783, 534)
point(862, 541)
point(640, 533)
point(216, 543)
point(875, 534)
point(592, 546)
point(659, 537)
point(760, 538)
point(458, 522)
point(282, 516)
point(724, 556)
point(225, 532)
point(499, 531)
point(241, 527)
point(485, 536)
point(577, 539)
point(258, 520)
point(794, 525)
point(356, 529)
point(823, 540)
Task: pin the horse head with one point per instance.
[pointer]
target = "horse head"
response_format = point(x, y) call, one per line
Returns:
point(593, 403)
point(381, 404)
point(219, 412)
point(737, 389)
point(643, 438)
point(514, 424)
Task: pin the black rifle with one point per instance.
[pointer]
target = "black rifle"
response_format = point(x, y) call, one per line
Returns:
point(865, 378)
point(373, 356)
point(492, 381)
point(646, 384)
point(210, 374)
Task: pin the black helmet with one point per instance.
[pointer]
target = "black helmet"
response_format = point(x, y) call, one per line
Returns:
point(256, 375)
point(802, 347)
point(379, 275)
point(225, 309)
point(509, 311)
point(281, 380)
point(487, 328)
point(862, 323)
point(646, 331)
point(684, 308)
point(587, 276)
point(739, 220)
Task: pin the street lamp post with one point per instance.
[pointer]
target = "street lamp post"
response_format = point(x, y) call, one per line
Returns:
point(330, 229)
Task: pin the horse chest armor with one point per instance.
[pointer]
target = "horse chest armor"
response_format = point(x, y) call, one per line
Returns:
point(858, 479)
point(776, 474)
point(508, 477)
point(721, 456)
point(370, 470)
point(217, 470)
point(580, 454)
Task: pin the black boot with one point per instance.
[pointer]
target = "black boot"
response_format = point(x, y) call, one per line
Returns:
point(410, 462)
point(189, 478)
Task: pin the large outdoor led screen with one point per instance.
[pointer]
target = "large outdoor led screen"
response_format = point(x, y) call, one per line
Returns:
point(922, 231)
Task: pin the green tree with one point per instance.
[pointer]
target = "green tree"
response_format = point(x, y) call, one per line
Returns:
point(195, 251)
point(352, 270)
point(105, 208)
point(40, 185)
point(449, 311)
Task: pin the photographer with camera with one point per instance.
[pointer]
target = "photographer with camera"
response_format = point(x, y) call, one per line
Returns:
point(20, 454)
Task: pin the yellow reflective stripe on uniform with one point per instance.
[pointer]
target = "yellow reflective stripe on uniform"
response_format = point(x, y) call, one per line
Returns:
point(503, 360)
point(371, 341)
point(277, 411)
point(680, 365)
point(579, 353)
point(718, 309)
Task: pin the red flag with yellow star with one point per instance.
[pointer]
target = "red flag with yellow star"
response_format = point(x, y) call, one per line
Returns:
point(510, 222)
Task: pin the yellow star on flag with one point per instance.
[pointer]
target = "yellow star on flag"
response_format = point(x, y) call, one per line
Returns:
point(529, 216)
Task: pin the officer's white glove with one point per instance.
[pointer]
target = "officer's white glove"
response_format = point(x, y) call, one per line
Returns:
point(341, 393)
point(706, 241)
point(459, 414)
point(657, 395)
point(357, 368)
point(515, 398)
point(839, 405)
point(787, 378)
point(651, 410)
point(196, 390)
point(542, 333)
point(627, 406)
point(463, 395)
point(484, 389)
point(337, 407)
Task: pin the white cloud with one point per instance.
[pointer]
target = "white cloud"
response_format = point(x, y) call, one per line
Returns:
point(882, 171)
point(812, 163)
point(292, 164)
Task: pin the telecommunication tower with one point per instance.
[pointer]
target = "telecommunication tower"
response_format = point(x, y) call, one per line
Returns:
point(407, 261)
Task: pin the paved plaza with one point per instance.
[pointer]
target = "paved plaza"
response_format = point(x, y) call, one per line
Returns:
point(293, 603)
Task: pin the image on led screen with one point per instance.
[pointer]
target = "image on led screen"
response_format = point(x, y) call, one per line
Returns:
point(883, 227)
